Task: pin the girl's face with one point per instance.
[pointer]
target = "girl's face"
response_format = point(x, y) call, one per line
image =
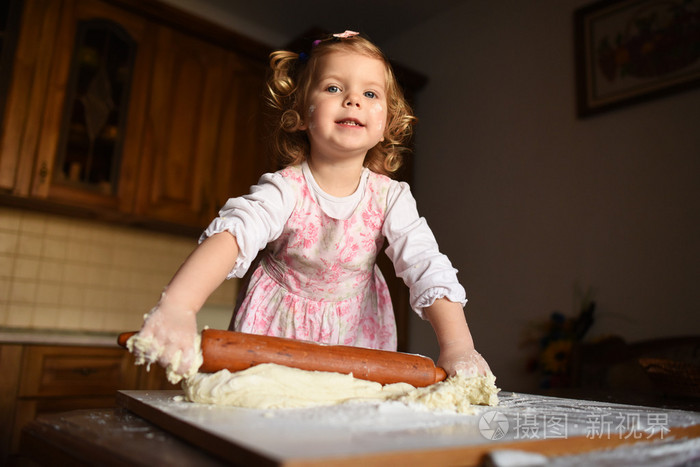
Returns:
point(347, 111)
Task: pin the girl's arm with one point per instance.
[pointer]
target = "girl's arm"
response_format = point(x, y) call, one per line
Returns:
point(203, 271)
point(244, 226)
point(428, 273)
point(171, 327)
point(457, 351)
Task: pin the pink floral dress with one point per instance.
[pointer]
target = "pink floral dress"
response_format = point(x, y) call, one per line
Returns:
point(318, 281)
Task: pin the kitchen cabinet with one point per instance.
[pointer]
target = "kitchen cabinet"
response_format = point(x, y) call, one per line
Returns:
point(200, 145)
point(129, 111)
point(42, 379)
point(35, 106)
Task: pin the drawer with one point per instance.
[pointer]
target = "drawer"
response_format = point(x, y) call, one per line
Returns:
point(74, 371)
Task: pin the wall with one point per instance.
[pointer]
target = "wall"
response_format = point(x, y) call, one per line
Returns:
point(529, 201)
point(223, 13)
point(68, 274)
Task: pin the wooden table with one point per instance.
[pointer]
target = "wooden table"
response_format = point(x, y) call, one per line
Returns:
point(109, 437)
point(365, 434)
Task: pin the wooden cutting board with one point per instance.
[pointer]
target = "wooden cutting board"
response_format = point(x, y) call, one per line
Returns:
point(390, 432)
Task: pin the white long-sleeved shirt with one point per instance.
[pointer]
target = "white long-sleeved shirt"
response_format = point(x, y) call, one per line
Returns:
point(259, 217)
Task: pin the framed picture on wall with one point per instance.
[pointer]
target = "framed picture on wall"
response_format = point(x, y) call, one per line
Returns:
point(628, 51)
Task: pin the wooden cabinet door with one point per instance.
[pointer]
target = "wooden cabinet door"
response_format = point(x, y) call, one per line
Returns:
point(27, 93)
point(37, 101)
point(182, 129)
point(11, 365)
point(241, 157)
point(46, 184)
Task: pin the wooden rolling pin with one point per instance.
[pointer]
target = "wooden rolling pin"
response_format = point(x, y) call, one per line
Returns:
point(236, 351)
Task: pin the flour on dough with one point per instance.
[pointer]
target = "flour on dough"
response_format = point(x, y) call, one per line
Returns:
point(456, 393)
point(147, 350)
point(271, 386)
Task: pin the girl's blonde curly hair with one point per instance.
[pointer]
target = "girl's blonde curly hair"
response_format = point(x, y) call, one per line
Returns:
point(288, 86)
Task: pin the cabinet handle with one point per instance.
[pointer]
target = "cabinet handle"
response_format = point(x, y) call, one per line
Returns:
point(43, 172)
point(85, 371)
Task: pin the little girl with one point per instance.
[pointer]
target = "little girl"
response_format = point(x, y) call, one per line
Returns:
point(340, 125)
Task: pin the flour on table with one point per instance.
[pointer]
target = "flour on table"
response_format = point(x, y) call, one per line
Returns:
point(271, 386)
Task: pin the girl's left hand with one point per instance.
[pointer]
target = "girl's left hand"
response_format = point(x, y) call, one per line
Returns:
point(466, 361)
point(457, 353)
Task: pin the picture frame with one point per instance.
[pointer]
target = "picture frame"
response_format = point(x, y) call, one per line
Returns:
point(628, 51)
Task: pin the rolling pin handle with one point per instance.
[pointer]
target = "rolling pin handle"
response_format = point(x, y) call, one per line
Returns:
point(440, 374)
point(123, 337)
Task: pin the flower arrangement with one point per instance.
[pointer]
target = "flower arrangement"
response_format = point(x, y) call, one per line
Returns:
point(554, 340)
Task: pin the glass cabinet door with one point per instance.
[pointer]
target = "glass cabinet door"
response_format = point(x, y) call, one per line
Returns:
point(94, 117)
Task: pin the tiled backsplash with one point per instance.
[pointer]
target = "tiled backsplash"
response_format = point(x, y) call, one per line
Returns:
point(67, 274)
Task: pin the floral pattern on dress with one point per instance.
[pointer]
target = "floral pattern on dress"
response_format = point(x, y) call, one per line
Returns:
point(319, 280)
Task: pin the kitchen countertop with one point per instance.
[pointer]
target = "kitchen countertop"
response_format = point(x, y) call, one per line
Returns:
point(387, 432)
point(354, 435)
point(54, 337)
point(99, 437)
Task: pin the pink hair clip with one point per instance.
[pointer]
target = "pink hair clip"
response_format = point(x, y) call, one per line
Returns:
point(346, 34)
point(337, 37)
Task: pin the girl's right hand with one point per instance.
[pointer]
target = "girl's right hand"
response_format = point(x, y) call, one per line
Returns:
point(169, 337)
point(169, 334)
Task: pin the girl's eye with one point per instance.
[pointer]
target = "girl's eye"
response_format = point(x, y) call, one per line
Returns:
point(370, 94)
point(333, 89)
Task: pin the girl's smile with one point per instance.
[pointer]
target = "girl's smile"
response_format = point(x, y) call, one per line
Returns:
point(350, 123)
